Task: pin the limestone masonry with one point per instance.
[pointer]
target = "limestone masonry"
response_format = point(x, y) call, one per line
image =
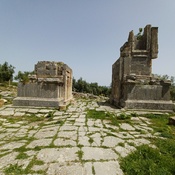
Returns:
point(50, 86)
point(133, 85)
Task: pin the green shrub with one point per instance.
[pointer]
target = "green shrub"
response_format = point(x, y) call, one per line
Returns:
point(149, 161)
point(123, 116)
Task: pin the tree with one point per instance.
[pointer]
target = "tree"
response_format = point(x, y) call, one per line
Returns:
point(23, 76)
point(93, 88)
point(6, 72)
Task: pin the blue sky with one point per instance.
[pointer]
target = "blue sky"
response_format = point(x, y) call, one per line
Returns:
point(84, 34)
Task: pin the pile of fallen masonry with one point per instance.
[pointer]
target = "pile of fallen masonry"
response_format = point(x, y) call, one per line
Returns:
point(7, 94)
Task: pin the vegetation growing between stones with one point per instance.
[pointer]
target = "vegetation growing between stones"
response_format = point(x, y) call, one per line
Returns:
point(139, 34)
point(80, 154)
point(22, 155)
point(160, 124)
point(16, 169)
point(147, 160)
point(102, 115)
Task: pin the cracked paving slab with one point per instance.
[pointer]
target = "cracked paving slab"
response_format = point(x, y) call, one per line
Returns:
point(49, 155)
point(94, 153)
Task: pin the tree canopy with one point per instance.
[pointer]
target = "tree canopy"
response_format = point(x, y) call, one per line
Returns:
point(93, 88)
point(6, 72)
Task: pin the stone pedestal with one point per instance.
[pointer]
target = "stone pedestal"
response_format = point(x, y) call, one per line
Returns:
point(51, 86)
point(133, 85)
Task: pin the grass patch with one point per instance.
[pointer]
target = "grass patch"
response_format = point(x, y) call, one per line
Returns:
point(149, 161)
point(37, 148)
point(121, 144)
point(39, 162)
point(93, 170)
point(123, 116)
point(34, 118)
point(102, 115)
point(22, 155)
point(97, 114)
point(143, 132)
point(131, 144)
point(134, 114)
point(80, 154)
point(26, 118)
point(50, 115)
point(91, 140)
point(22, 149)
point(160, 124)
point(80, 146)
point(14, 169)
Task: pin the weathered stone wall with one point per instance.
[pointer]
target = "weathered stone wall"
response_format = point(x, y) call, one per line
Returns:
point(132, 79)
point(51, 85)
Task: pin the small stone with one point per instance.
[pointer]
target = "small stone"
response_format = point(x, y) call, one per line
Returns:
point(33, 111)
point(7, 113)
point(19, 114)
point(126, 126)
point(62, 107)
point(172, 120)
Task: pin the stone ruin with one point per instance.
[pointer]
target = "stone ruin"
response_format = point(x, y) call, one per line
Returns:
point(50, 86)
point(133, 85)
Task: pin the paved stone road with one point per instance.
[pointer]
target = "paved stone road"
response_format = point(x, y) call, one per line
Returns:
point(70, 143)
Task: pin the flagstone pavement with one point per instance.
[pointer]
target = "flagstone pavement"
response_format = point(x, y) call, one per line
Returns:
point(69, 143)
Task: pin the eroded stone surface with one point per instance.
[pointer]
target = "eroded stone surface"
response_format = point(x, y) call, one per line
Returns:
point(126, 126)
point(49, 155)
point(111, 141)
point(56, 169)
point(110, 167)
point(100, 154)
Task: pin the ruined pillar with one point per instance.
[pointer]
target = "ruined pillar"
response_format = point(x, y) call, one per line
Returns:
point(133, 85)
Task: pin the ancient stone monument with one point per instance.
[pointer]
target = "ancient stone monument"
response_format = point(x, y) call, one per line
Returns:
point(50, 86)
point(133, 85)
